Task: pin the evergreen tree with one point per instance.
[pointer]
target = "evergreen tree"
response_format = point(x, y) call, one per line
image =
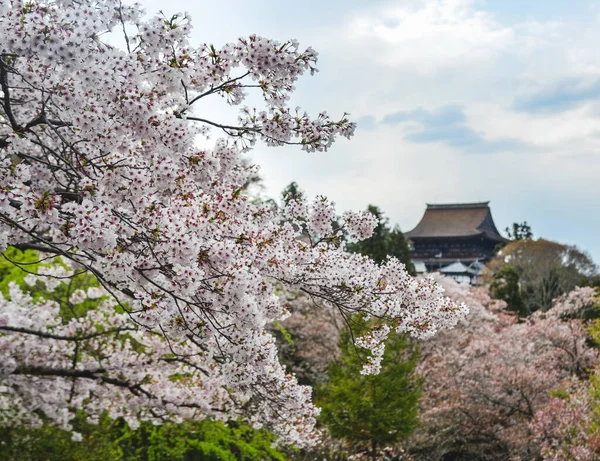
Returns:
point(291, 191)
point(384, 241)
point(519, 231)
point(114, 440)
point(371, 411)
point(505, 286)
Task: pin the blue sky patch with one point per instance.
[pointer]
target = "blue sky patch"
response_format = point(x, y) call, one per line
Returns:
point(448, 125)
point(566, 95)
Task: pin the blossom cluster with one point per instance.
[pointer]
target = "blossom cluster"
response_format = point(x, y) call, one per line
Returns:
point(99, 164)
point(102, 362)
point(565, 428)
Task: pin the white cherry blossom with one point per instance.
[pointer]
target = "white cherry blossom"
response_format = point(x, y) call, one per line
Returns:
point(99, 165)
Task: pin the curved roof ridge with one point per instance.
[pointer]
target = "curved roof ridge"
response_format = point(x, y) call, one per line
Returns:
point(456, 220)
point(446, 206)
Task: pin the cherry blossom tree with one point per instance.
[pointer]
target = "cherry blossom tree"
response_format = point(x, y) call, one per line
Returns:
point(565, 429)
point(487, 380)
point(100, 166)
point(568, 427)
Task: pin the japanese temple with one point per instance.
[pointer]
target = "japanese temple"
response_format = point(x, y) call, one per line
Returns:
point(451, 233)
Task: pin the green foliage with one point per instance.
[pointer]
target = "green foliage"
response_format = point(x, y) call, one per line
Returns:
point(519, 231)
point(384, 241)
point(114, 440)
point(16, 265)
point(291, 192)
point(560, 393)
point(594, 331)
point(505, 286)
point(9, 272)
point(284, 333)
point(594, 327)
point(595, 394)
point(372, 411)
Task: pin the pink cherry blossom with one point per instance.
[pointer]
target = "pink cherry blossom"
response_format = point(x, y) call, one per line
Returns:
point(489, 378)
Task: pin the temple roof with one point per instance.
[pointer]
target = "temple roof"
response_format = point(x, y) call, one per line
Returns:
point(456, 220)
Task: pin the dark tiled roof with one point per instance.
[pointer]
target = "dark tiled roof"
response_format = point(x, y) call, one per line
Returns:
point(456, 220)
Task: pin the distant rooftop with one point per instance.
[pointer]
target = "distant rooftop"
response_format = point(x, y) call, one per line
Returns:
point(456, 220)
point(452, 206)
point(458, 268)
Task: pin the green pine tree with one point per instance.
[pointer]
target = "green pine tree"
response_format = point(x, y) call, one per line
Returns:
point(371, 412)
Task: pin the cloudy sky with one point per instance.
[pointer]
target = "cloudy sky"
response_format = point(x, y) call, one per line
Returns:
point(456, 101)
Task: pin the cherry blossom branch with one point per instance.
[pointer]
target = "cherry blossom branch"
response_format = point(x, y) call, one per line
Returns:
point(43, 334)
point(6, 92)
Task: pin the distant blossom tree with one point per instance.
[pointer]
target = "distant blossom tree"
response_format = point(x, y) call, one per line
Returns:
point(568, 428)
point(529, 274)
point(486, 381)
point(308, 338)
point(565, 428)
point(98, 165)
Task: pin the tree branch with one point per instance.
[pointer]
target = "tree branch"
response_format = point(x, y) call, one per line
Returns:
point(43, 334)
point(6, 90)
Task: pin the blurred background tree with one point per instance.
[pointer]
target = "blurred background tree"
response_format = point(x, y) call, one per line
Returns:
point(529, 274)
point(114, 440)
point(519, 231)
point(373, 411)
point(384, 242)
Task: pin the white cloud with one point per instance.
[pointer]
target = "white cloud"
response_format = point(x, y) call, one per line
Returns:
point(428, 35)
point(557, 130)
